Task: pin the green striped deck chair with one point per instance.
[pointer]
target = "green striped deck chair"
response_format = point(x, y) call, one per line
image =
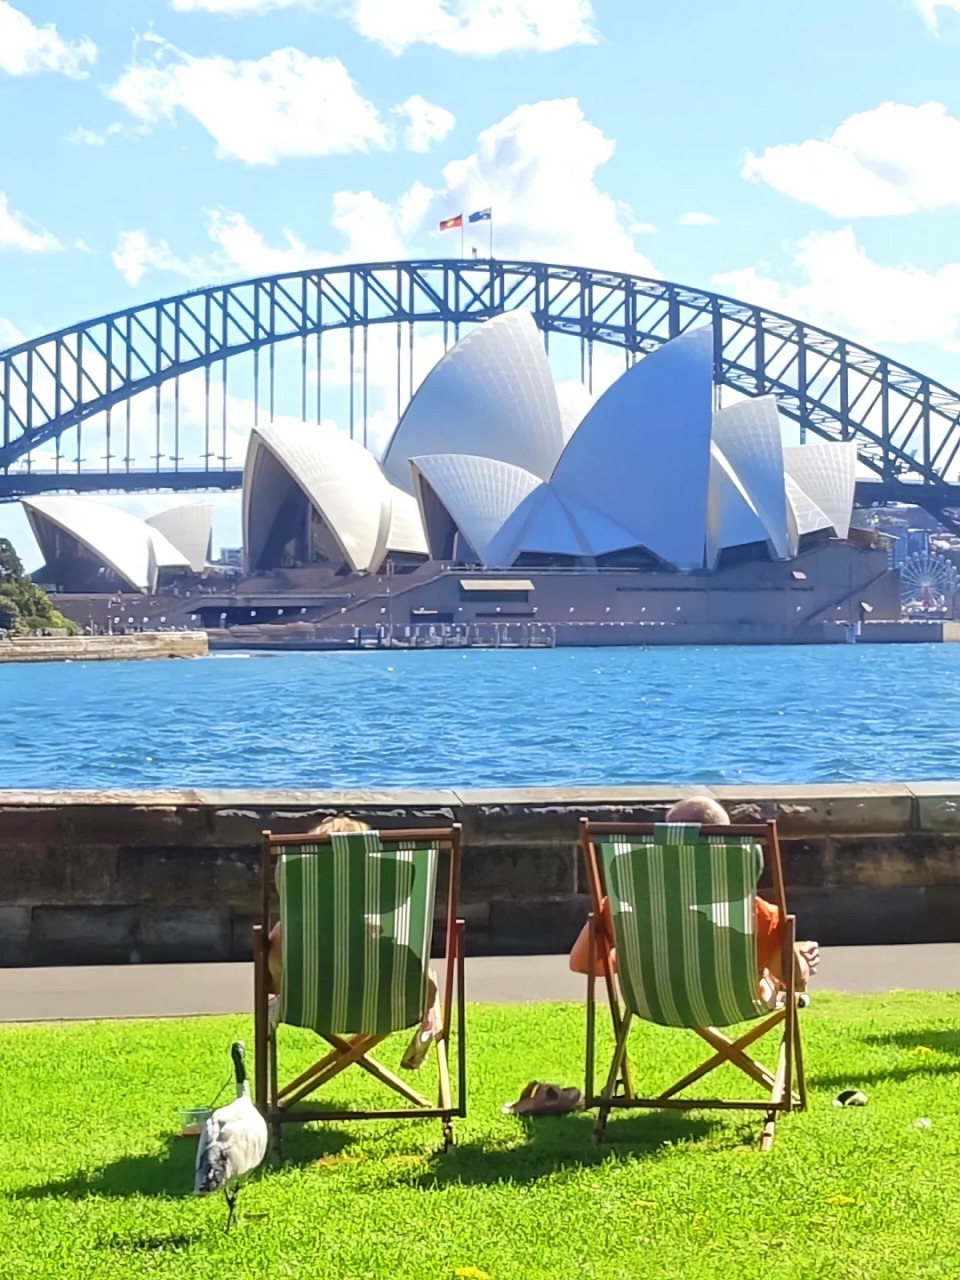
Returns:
point(357, 912)
point(682, 911)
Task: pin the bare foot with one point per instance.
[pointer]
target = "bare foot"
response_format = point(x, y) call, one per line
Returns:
point(431, 1024)
point(810, 951)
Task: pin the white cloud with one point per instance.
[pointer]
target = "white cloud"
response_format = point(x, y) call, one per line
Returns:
point(136, 254)
point(234, 6)
point(481, 27)
point(928, 10)
point(26, 49)
point(536, 169)
point(372, 231)
point(81, 137)
point(842, 289)
point(19, 233)
point(428, 123)
point(697, 220)
point(893, 159)
point(10, 335)
point(287, 103)
point(368, 225)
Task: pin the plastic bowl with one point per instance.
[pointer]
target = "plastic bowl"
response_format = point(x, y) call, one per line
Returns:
point(192, 1120)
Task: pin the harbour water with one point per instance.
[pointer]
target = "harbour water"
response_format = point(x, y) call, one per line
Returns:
point(483, 718)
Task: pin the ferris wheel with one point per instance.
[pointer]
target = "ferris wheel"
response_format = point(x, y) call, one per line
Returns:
point(927, 581)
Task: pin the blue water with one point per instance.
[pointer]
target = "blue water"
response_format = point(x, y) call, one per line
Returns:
point(486, 718)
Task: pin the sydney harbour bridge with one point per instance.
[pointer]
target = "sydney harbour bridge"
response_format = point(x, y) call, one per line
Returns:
point(67, 398)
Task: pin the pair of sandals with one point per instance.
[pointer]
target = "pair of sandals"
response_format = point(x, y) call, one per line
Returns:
point(542, 1099)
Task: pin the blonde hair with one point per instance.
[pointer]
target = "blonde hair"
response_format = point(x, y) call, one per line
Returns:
point(703, 809)
point(337, 822)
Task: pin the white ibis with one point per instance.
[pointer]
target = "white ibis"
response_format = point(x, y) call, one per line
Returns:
point(233, 1142)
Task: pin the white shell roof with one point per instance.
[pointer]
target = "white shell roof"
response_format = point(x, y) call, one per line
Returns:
point(803, 514)
point(339, 477)
point(479, 494)
point(127, 545)
point(188, 529)
point(575, 403)
point(732, 519)
point(541, 523)
point(492, 395)
point(406, 526)
point(641, 456)
point(748, 434)
point(827, 473)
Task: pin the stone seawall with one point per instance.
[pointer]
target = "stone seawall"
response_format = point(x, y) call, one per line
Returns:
point(141, 644)
point(89, 878)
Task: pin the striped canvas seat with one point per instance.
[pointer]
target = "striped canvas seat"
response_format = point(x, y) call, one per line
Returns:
point(684, 924)
point(357, 926)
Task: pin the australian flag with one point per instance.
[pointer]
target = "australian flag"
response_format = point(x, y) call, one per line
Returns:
point(481, 215)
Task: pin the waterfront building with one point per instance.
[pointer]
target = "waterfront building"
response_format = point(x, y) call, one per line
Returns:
point(89, 546)
point(648, 514)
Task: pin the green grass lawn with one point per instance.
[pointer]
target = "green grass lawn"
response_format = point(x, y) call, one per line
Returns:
point(95, 1182)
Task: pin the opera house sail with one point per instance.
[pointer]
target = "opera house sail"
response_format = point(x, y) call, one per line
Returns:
point(651, 513)
point(93, 547)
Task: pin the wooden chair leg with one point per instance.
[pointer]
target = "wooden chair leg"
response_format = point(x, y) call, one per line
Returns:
point(276, 1128)
point(591, 1011)
point(312, 1071)
point(609, 1088)
point(461, 1020)
point(776, 1100)
point(798, 1060)
point(260, 1027)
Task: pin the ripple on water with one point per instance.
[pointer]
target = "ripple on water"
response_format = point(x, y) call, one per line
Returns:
point(487, 718)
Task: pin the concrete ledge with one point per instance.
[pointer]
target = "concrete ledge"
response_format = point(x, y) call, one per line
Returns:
point(141, 644)
point(127, 876)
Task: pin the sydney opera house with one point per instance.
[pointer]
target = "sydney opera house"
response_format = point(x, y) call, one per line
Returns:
point(648, 514)
point(89, 546)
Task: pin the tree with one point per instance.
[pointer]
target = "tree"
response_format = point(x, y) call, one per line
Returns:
point(24, 607)
point(10, 564)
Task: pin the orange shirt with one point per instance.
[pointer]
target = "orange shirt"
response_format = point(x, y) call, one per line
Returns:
point(769, 940)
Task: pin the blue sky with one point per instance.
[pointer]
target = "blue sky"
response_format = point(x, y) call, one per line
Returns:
point(806, 156)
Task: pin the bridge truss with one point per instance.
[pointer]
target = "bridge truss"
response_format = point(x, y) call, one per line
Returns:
point(906, 426)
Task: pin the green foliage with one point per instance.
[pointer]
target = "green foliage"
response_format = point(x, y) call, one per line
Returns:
point(95, 1182)
point(24, 608)
point(10, 565)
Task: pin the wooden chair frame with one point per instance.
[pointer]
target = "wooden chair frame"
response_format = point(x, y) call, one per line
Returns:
point(785, 1088)
point(276, 1103)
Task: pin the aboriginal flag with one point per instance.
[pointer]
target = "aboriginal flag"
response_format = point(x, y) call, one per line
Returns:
point(450, 224)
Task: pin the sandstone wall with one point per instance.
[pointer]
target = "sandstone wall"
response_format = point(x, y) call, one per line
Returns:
point(144, 644)
point(124, 877)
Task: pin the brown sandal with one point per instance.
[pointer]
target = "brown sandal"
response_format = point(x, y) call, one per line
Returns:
point(540, 1099)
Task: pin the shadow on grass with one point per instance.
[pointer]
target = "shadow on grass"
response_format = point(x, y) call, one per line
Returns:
point(170, 1172)
point(557, 1144)
point(926, 1047)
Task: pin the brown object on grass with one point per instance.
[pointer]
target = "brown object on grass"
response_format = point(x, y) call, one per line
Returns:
point(540, 1099)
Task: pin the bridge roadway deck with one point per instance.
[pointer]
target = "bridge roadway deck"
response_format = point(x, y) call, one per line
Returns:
point(174, 990)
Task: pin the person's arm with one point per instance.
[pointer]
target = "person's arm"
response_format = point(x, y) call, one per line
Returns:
point(580, 955)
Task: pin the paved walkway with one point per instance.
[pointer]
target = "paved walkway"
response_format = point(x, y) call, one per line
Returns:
point(136, 991)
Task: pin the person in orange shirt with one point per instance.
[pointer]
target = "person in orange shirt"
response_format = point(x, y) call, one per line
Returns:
point(706, 811)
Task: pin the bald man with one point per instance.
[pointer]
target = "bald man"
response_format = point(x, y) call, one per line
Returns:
point(705, 811)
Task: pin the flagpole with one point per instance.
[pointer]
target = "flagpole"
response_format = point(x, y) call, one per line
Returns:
point(491, 235)
point(461, 235)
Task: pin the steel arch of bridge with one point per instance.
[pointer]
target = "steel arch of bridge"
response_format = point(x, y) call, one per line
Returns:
point(906, 426)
